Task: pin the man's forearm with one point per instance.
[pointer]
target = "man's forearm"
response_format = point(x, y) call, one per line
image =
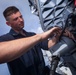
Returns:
point(13, 49)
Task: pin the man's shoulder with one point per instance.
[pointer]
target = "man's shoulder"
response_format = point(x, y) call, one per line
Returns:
point(6, 37)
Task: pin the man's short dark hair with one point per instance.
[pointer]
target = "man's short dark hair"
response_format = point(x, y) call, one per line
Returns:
point(9, 11)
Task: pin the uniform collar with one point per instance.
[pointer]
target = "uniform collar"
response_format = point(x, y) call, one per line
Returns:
point(12, 32)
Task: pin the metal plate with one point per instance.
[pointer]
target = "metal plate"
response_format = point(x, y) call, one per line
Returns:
point(51, 12)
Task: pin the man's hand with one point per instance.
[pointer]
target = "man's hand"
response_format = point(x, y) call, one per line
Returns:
point(50, 33)
point(54, 36)
point(68, 34)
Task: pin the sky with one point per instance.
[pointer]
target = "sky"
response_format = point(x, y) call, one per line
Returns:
point(32, 22)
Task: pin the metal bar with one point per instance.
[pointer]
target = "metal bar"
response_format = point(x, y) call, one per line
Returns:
point(40, 14)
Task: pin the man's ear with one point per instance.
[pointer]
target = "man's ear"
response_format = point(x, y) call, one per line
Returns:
point(8, 23)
